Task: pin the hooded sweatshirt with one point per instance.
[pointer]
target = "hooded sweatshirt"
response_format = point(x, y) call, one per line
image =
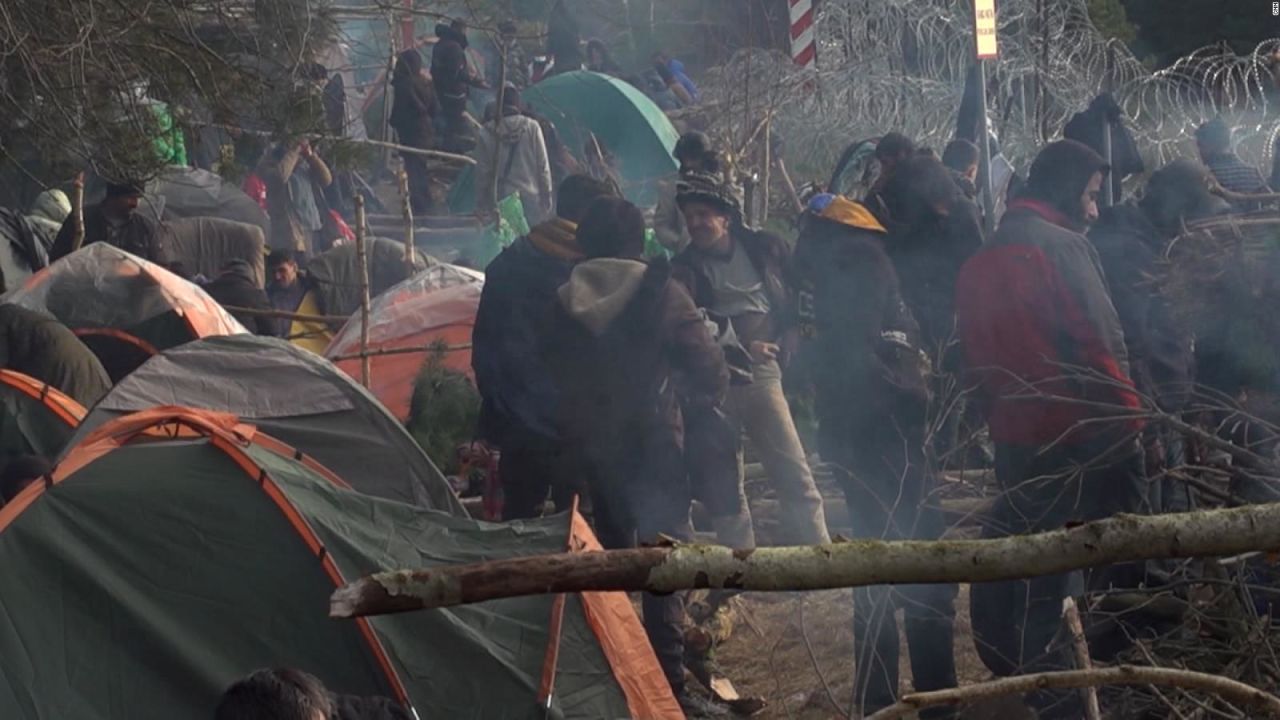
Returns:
point(522, 165)
point(49, 211)
point(622, 329)
point(1035, 299)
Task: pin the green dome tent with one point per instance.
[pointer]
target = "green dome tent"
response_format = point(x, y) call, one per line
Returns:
point(35, 418)
point(624, 120)
point(295, 396)
point(175, 550)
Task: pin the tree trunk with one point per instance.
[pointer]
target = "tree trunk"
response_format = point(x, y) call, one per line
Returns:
point(846, 564)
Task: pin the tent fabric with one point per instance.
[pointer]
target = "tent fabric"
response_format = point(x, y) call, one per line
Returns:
point(186, 192)
point(205, 245)
point(334, 274)
point(295, 396)
point(436, 305)
point(119, 303)
point(624, 120)
point(22, 250)
point(35, 419)
point(36, 344)
point(116, 624)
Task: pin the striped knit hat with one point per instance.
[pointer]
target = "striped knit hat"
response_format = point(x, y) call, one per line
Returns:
point(709, 188)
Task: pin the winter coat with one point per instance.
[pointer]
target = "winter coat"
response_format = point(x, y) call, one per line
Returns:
point(1031, 301)
point(523, 166)
point(1161, 358)
point(772, 260)
point(415, 104)
point(927, 254)
point(288, 230)
point(238, 287)
point(449, 69)
point(41, 347)
point(1087, 127)
point(620, 334)
point(519, 397)
point(858, 340)
point(139, 235)
point(677, 71)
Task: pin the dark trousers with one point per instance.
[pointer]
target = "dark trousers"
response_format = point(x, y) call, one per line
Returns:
point(529, 470)
point(886, 478)
point(415, 167)
point(1016, 623)
point(639, 493)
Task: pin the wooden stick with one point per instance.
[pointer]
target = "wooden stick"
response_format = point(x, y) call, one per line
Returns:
point(500, 114)
point(406, 210)
point(77, 210)
point(1230, 690)
point(437, 154)
point(400, 351)
point(1123, 538)
point(1071, 614)
point(362, 260)
point(791, 186)
point(255, 312)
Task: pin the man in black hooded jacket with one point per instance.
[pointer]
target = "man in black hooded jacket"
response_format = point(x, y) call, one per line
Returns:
point(453, 82)
point(1130, 240)
point(859, 349)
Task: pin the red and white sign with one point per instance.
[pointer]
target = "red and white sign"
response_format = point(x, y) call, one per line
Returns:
point(984, 16)
point(804, 50)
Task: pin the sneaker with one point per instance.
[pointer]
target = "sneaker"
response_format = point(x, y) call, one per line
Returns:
point(696, 707)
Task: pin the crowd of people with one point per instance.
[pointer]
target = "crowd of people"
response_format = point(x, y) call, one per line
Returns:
point(632, 380)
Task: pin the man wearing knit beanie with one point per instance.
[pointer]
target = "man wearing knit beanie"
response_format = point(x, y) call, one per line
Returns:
point(741, 274)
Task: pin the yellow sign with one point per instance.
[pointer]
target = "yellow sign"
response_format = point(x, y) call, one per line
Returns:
point(984, 14)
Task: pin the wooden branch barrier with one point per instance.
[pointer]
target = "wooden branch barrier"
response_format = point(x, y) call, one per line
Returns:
point(1235, 692)
point(1206, 533)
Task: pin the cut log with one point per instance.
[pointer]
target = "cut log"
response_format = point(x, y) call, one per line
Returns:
point(1206, 533)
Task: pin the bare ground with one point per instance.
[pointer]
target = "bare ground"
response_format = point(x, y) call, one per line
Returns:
point(796, 649)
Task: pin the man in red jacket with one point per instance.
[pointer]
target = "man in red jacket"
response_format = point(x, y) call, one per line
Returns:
point(1045, 348)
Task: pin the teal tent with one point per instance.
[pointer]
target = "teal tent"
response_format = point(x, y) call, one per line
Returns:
point(624, 120)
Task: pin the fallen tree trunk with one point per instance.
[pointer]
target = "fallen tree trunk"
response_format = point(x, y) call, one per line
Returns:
point(846, 564)
point(1230, 690)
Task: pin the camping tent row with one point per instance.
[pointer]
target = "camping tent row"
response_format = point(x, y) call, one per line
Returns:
point(172, 551)
point(126, 310)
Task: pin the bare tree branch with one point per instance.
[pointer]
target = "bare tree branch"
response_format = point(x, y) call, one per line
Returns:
point(1122, 538)
point(1227, 689)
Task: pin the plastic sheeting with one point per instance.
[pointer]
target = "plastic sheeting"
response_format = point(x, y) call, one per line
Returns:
point(334, 274)
point(204, 246)
point(437, 305)
point(186, 192)
point(101, 286)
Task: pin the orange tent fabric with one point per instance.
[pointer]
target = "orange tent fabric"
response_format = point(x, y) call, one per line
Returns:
point(436, 305)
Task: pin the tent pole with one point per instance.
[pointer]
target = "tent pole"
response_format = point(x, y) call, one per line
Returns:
point(551, 660)
point(362, 260)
